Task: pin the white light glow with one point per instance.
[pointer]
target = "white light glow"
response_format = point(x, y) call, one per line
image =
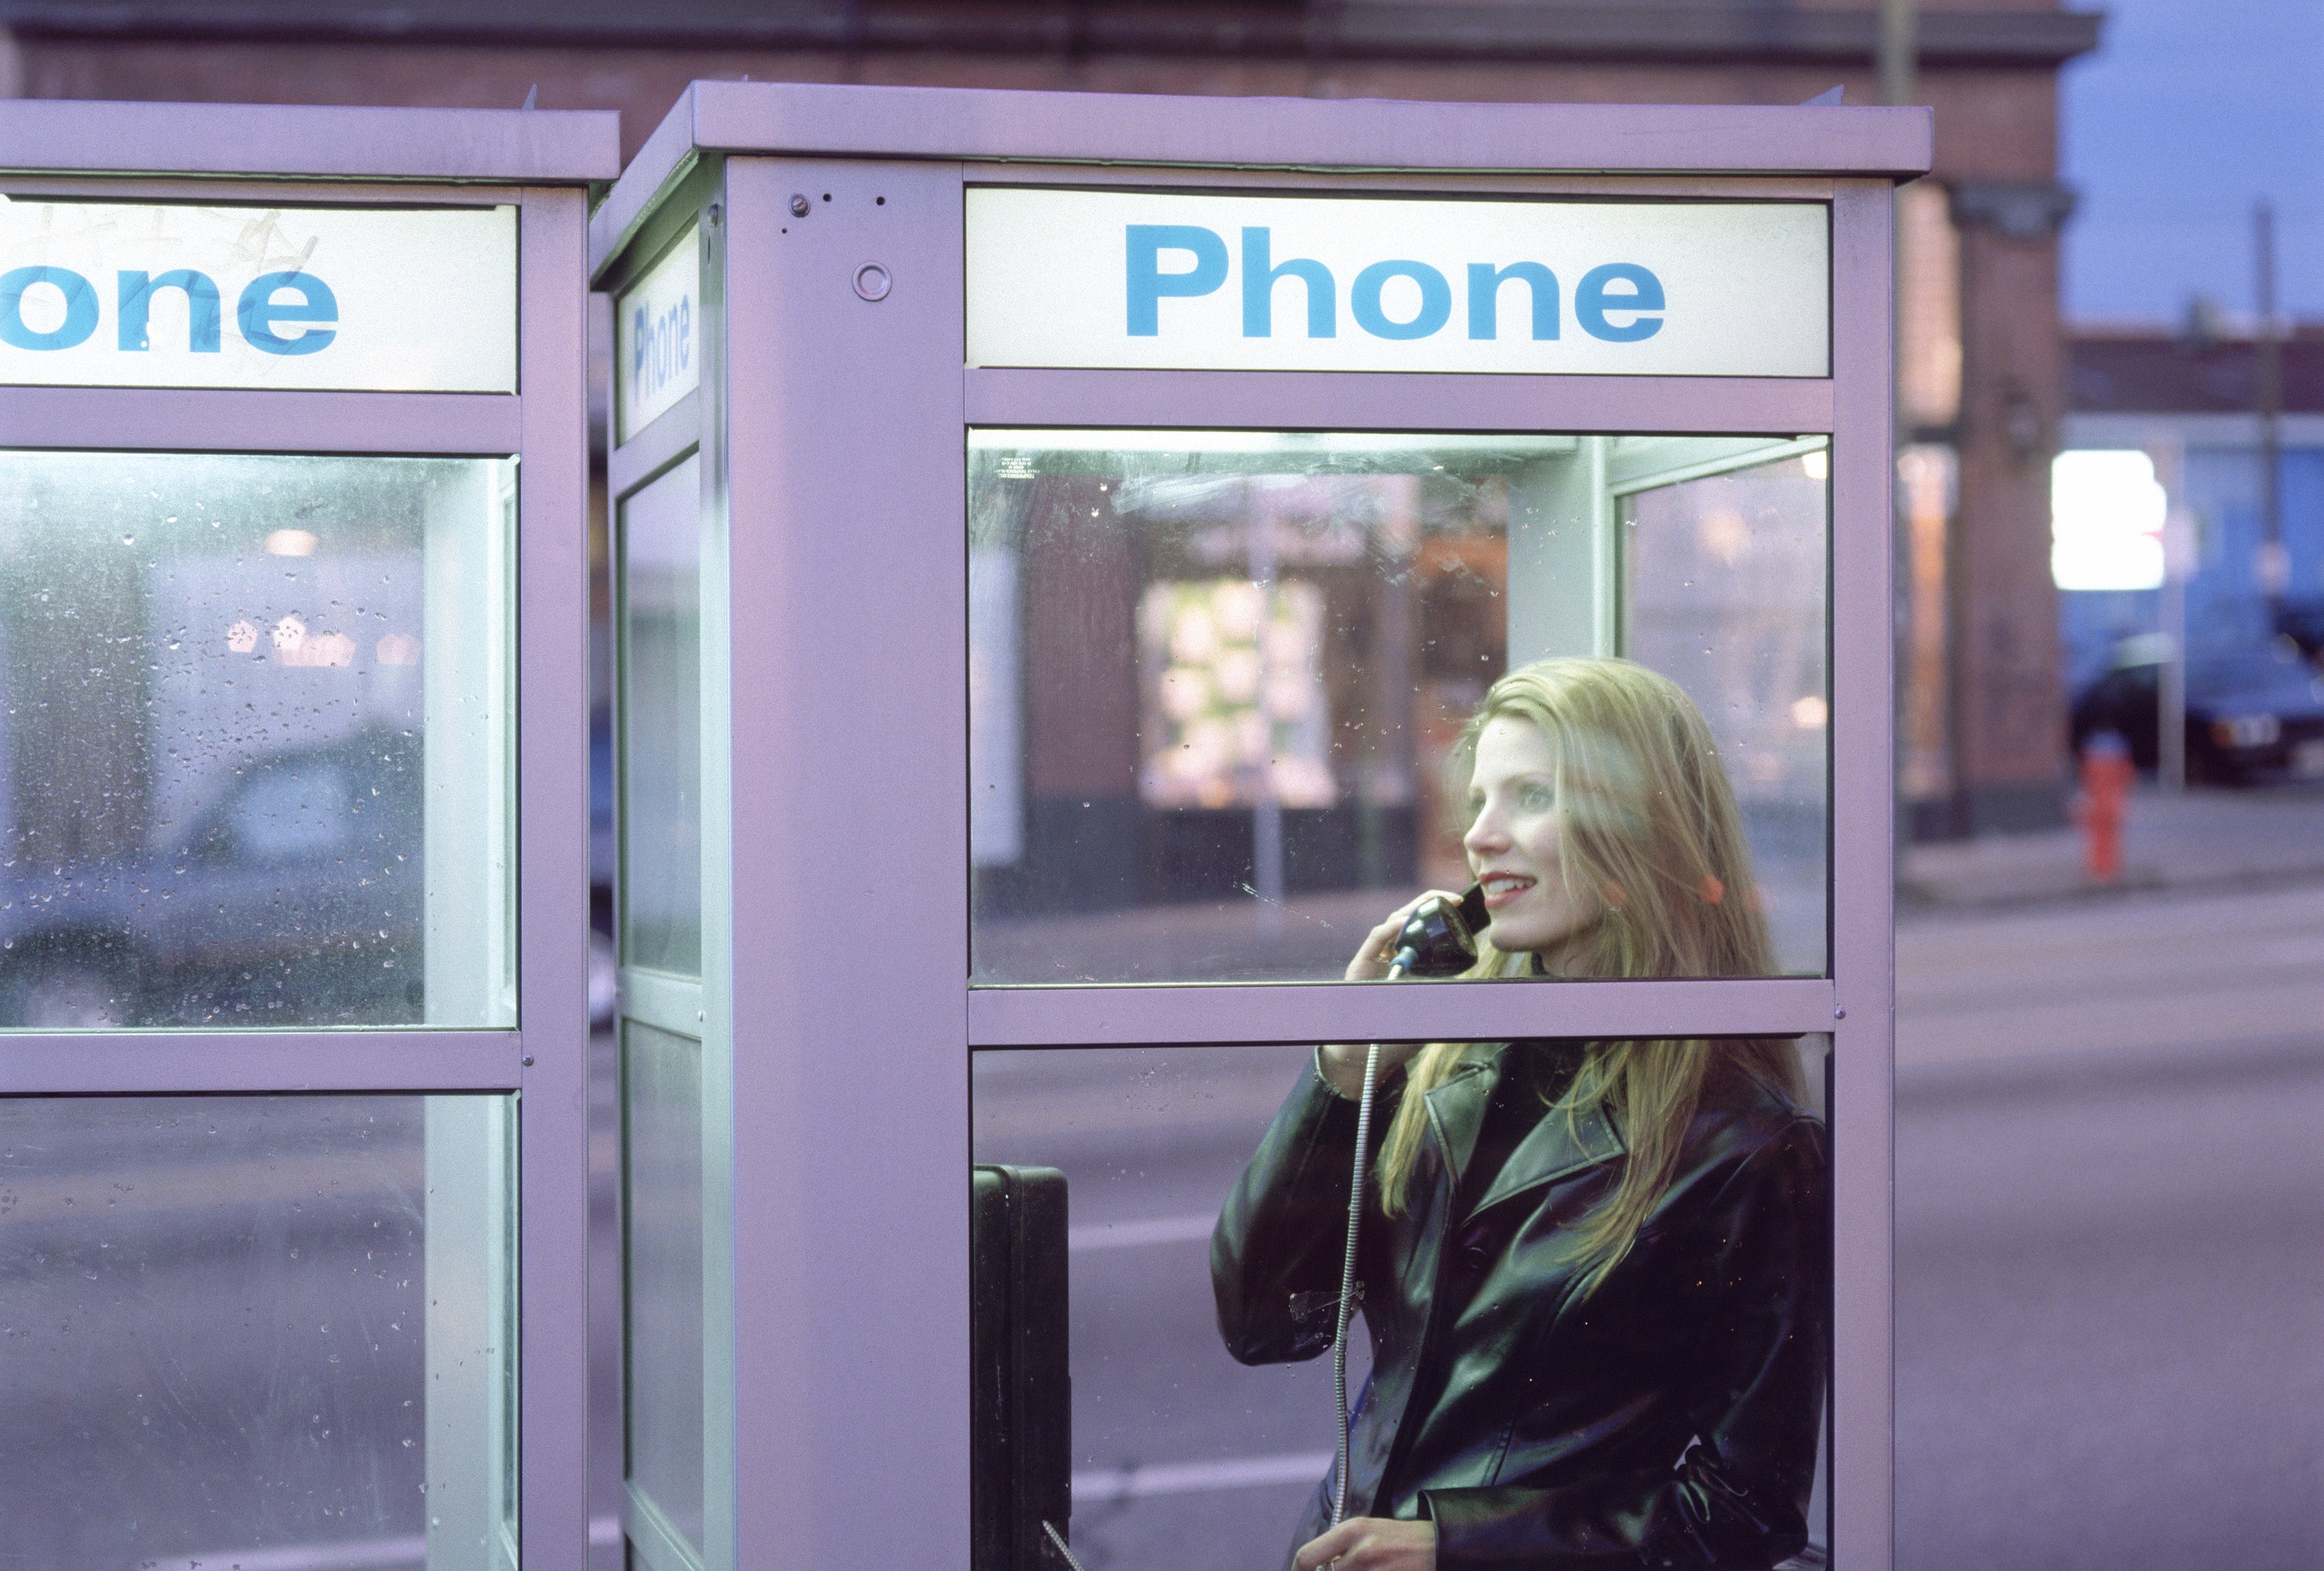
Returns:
point(2106, 520)
point(1817, 464)
point(290, 542)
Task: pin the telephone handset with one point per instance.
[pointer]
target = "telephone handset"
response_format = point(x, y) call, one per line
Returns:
point(1439, 938)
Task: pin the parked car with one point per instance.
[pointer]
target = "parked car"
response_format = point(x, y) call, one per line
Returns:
point(2302, 621)
point(2249, 715)
point(296, 900)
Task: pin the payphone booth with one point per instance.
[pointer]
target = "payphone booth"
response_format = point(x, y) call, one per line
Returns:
point(1083, 564)
point(293, 887)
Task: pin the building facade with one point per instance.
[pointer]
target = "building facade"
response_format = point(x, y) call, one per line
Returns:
point(2192, 403)
point(1983, 356)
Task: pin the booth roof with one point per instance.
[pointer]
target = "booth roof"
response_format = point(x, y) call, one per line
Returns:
point(803, 120)
point(533, 146)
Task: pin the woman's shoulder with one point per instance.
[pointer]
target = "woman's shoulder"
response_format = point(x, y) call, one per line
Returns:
point(1743, 1117)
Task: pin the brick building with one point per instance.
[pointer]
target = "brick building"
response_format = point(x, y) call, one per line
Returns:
point(1985, 368)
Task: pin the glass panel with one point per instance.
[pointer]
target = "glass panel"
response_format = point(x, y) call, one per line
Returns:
point(662, 748)
point(1219, 683)
point(258, 1330)
point(662, 1084)
point(1201, 1389)
point(1723, 592)
point(255, 765)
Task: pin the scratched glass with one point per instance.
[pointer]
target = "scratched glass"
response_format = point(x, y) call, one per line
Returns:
point(254, 721)
point(1181, 1456)
point(258, 1331)
point(1216, 678)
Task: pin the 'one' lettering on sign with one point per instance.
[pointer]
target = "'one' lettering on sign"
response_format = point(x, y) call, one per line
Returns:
point(101, 295)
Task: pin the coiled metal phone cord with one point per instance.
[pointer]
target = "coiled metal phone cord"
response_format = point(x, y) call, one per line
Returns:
point(1404, 959)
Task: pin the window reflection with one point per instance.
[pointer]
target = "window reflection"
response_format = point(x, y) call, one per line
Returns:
point(253, 761)
point(1217, 679)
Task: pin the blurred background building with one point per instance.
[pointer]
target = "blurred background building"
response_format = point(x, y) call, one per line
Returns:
point(2218, 407)
point(1983, 356)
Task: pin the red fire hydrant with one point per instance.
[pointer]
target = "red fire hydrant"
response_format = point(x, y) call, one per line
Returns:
point(2107, 775)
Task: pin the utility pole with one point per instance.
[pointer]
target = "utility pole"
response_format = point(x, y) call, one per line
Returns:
point(1896, 65)
point(2273, 562)
point(1898, 51)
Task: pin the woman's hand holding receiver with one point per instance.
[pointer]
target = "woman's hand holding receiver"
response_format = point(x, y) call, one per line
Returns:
point(1342, 1063)
point(1371, 1544)
point(1378, 952)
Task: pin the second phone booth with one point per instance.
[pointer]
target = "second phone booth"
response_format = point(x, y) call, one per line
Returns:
point(1060, 543)
point(294, 577)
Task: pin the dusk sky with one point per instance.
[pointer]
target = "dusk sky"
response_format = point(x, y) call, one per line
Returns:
point(2188, 113)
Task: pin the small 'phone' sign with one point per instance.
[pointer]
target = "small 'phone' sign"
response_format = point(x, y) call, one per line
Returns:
point(657, 335)
point(1164, 280)
point(103, 294)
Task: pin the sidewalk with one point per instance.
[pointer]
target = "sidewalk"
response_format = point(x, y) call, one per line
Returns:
point(2013, 970)
point(2203, 839)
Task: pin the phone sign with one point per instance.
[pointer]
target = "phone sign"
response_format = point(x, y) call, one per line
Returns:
point(1170, 280)
point(390, 300)
point(657, 335)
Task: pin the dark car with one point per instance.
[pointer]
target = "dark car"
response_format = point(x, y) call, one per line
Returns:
point(2302, 621)
point(2249, 716)
point(296, 900)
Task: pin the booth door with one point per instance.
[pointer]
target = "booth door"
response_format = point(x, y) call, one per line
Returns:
point(1217, 684)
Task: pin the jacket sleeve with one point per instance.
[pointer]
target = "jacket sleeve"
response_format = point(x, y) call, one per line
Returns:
point(1280, 1238)
point(1754, 1389)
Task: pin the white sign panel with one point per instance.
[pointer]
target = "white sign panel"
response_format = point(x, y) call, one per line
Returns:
point(657, 335)
point(101, 295)
point(1147, 278)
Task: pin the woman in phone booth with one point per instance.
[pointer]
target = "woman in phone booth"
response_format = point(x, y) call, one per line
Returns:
point(1595, 1274)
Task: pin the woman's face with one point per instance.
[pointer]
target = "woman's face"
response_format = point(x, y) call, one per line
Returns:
point(1512, 845)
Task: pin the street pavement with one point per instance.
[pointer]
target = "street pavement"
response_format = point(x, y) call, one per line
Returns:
point(2184, 840)
point(2110, 1202)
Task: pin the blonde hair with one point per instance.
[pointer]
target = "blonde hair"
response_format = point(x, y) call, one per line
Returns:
point(1650, 842)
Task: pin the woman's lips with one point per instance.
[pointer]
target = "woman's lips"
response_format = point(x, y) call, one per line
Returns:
point(1501, 889)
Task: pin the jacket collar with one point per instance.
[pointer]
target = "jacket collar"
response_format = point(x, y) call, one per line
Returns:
point(1555, 1148)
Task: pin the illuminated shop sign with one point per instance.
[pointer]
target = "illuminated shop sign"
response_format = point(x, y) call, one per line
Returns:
point(658, 334)
point(1162, 279)
point(100, 294)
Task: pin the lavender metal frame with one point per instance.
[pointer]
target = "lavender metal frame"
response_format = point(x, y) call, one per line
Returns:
point(832, 431)
point(540, 162)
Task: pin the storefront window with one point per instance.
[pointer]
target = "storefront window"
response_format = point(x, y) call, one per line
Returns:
point(1201, 1397)
point(1218, 683)
point(258, 1331)
point(254, 722)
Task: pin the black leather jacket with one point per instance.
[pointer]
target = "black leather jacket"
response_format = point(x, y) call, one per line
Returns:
point(1669, 1419)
